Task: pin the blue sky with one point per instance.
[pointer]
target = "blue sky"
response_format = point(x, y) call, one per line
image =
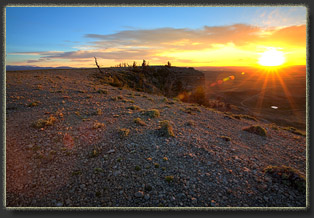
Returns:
point(33, 34)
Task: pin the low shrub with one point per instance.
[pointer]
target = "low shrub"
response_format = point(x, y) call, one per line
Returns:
point(98, 125)
point(226, 138)
point(256, 130)
point(169, 178)
point(33, 104)
point(134, 107)
point(166, 129)
point(153, 113)
point(288, 176)
point(124, 132)
point(102, 91)
point(294, 131)
point(42, 122)
point(139, 121)
point(190, 123)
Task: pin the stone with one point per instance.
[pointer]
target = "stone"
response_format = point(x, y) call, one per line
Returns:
point(139, 194)
point(148, 187)
point(117, 173)
point(194, 200)
point(111, 151)
point(59, 204)
point(181, 195)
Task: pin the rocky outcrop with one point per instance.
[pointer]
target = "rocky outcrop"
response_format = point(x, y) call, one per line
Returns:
point(169, 81)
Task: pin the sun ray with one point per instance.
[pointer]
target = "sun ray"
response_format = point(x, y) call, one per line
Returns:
point(288, 96)
point(262, 94)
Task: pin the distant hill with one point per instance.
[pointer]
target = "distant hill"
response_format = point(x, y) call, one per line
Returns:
point(15, 68)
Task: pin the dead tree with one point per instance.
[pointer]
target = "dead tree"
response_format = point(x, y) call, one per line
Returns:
point(105, 73)
point(98, 65)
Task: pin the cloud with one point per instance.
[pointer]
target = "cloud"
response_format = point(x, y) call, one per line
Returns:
point(196, 39)
point(170, 37)
point(36, 53)
point(162, 44)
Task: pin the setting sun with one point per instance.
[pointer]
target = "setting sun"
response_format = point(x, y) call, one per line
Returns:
point(272, 57)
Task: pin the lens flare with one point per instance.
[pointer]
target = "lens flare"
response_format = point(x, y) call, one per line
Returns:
point(221, 81)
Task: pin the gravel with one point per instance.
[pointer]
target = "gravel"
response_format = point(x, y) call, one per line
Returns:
point(72, 164)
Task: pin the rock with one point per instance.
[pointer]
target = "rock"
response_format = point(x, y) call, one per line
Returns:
point(111, 151)
point(181, 195)
point(194, 200)
point(59, 204)
point(29, 146)
point(212, 203)
point(139, 194)
point(117, 173)
point(148, 187)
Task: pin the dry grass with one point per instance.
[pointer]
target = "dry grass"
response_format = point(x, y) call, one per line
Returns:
point(124, 132)
point(139, 121)
point(41, 123)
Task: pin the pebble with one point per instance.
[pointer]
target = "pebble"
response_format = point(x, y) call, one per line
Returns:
point(194, 200)
point(148, 187)
point(213, 203)
point(111, 151)
point(181, 195)
point(59, 204)
point(117, 173)
point(139, 194)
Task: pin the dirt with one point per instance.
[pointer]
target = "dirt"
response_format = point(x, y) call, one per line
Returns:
point(83, 160)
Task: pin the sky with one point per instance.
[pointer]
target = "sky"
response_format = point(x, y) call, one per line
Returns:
point(185, 36)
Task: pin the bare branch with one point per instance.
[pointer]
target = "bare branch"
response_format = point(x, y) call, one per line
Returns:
point(98, 65)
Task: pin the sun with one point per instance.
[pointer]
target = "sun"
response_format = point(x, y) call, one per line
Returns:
point(272, 57)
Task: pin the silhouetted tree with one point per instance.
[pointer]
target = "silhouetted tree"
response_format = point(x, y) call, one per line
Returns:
point(134, 64)
point(168, 64)
point(144, 63)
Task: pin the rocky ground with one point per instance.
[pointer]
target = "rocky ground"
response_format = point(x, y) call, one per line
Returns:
point(91, 153)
